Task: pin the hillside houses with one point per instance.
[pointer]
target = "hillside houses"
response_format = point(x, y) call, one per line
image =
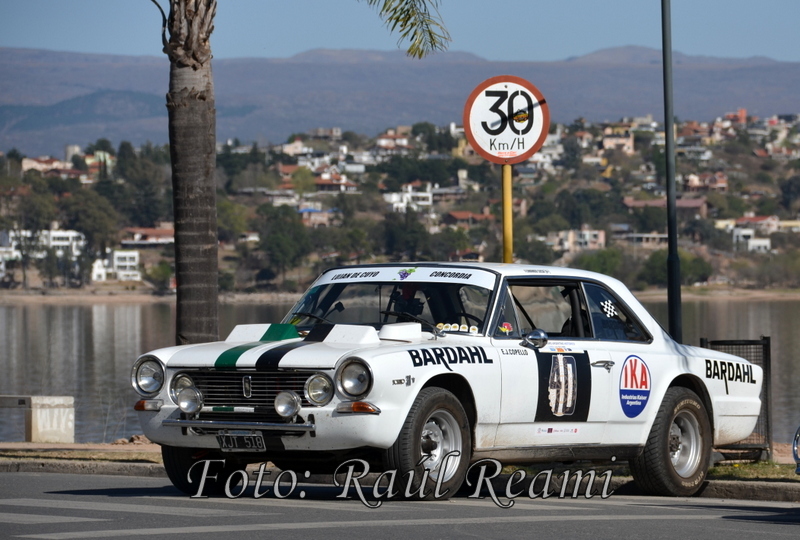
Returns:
point(445, 187)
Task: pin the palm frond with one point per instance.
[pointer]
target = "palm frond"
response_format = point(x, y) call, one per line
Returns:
point(417, 21)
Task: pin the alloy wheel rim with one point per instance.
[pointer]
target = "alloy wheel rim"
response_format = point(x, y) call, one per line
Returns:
point(685, 442)
point(440, 436)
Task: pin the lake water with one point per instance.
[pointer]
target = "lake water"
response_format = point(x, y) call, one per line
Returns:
point(86, 351)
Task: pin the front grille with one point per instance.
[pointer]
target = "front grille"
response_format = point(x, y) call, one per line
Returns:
point(226, 388)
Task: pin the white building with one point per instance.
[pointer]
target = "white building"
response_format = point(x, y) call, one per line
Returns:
point(65, 242)
point(122, 264)
point(745, 239)
point(573, 241)
point(416, 201)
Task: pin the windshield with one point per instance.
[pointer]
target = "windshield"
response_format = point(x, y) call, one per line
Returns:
point(454, 307)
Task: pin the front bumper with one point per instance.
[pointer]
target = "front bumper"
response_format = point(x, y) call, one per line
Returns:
point(255, 426)
point(317, 429)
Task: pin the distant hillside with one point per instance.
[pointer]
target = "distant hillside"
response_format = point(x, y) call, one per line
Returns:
point(49, 99)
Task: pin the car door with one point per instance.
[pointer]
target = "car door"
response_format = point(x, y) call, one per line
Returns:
point(635, 364)
point(556, 394)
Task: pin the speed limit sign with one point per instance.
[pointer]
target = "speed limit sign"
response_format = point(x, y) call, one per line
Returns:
point(506, 119)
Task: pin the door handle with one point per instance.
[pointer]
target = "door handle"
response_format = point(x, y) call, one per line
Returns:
point(603, 364)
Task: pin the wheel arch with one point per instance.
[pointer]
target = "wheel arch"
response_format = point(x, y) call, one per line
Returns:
point(459, 387)
point(694, 384)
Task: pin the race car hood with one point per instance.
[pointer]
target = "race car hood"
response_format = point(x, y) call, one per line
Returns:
point(266, 347)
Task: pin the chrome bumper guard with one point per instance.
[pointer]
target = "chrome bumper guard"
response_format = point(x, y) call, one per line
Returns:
point(255, 426)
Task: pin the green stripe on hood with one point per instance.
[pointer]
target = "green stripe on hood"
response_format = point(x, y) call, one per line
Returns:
point(275, 332)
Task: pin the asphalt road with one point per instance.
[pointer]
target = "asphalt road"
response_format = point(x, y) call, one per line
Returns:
point(65, 506)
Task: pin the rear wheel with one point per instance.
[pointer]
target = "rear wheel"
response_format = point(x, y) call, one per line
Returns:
point(436, 438)
point(185, 470)
point(675, 459)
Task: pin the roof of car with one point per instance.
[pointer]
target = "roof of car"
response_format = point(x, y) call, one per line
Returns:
point(504, 269)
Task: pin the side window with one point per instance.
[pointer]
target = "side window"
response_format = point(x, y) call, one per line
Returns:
point(508, 322)
point(611, 319)
point(549, 307)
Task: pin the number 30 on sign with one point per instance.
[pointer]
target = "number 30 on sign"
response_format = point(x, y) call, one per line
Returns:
point(506, 119)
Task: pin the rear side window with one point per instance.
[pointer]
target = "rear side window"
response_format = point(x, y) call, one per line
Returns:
point(611, 319)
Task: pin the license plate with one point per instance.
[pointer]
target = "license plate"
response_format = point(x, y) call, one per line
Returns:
point(240, 441)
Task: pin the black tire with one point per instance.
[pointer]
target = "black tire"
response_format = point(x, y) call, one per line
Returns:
point(436, 425)
point(675, 459)
point(178, 463)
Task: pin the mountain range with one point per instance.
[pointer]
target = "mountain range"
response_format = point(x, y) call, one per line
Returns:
point(49, 99)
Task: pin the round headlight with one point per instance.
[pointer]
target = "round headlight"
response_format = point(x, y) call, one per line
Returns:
point(147, 376)
point(190, 400)
point(319, 389)
point(179, 383)
point(354, 378)
point(287, 404)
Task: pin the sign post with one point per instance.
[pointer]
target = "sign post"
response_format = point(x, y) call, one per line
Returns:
point(506, 120)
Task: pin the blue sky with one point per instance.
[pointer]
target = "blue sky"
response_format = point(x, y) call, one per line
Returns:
point(513, 30)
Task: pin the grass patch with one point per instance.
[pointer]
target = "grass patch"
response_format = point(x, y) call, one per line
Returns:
point(763, 470)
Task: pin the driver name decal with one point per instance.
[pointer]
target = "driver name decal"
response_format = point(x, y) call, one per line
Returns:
point(445, 356)
point(634, 386)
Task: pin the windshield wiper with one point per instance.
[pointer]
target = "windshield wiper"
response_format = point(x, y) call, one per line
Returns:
point(414, 318)
point(311, 315)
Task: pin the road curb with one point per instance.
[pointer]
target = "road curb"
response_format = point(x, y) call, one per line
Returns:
point(83, 467)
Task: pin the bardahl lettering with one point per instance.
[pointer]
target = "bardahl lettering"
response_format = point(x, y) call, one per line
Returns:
point(729, 372)
point(445, 356)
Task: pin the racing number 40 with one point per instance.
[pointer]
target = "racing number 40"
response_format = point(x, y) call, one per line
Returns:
point(514, 115)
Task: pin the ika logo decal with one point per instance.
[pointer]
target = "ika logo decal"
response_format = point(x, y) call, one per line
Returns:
point(634, 386)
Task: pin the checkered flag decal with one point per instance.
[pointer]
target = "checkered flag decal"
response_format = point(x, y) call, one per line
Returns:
point(608, 308)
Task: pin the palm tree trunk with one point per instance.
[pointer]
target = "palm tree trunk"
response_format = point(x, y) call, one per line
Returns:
point(192, 137)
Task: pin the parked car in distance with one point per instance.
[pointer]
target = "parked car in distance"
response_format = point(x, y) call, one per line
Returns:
point(426, 368)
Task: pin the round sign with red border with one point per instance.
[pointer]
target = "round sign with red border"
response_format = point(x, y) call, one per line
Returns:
point(506, 119)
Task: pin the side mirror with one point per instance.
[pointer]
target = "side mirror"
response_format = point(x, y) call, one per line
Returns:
point(536, 339)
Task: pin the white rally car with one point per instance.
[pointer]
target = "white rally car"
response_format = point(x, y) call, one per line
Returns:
point(433, 366)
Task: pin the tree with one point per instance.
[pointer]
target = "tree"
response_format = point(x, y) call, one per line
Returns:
point(34, 212)
point(790, 192)
point(231, 220)
point(572, 153)
point(89, 213)
point(303, 180)
point(284, 238)
point(192, 127)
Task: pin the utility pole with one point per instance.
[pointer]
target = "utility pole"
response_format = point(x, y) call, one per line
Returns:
point(673, 260)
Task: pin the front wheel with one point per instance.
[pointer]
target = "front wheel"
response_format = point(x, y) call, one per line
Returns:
point(185, 470)
point(675, 459)
point(436, 442)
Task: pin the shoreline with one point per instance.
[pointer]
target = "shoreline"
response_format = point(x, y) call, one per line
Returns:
point(11, 298)
point(120, 296)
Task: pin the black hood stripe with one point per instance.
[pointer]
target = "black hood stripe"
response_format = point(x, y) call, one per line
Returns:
point(319, 333)
point(270, 359)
